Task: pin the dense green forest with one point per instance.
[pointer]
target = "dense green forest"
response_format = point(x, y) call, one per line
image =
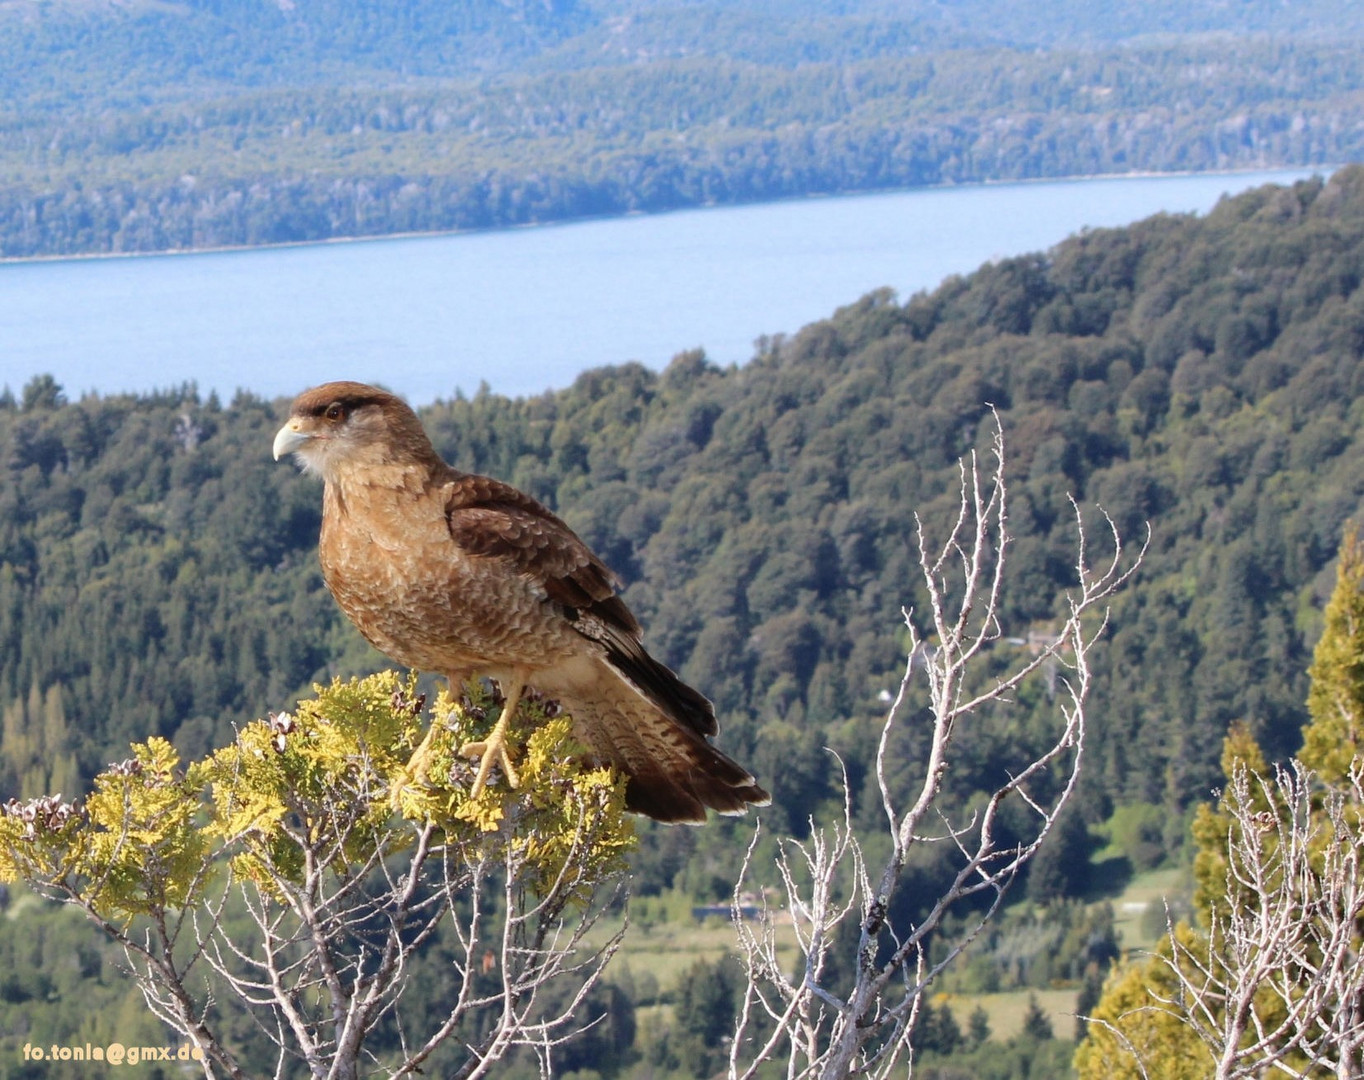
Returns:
point(158, 574)
point(157, 568)
point(289, 165)
point(150, 127)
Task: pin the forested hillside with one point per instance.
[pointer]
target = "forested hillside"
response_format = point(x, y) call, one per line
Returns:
point(1202, 375)
point(151, 127)
point(289, 165)
point(157, 572)
point(71, 50)
point(64, 49)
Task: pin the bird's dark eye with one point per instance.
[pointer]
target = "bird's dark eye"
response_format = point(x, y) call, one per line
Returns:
point(335, 411)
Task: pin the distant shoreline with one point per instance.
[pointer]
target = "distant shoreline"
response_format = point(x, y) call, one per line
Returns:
point(1135, 174)
point(530, 310)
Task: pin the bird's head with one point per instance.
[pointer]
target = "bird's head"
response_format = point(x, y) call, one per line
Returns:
point(340, 428)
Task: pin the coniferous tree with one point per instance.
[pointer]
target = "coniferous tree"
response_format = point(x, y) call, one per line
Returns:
point(1204, 997)
point(977, 1027)
point(1036, 1023)
point(1335, 703)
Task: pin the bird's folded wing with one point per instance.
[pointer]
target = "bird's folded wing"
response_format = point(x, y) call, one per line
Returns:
point(489, 518)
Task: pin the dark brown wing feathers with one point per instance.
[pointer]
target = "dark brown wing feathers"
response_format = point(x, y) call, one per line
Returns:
point(658, 683)
point(487, 517)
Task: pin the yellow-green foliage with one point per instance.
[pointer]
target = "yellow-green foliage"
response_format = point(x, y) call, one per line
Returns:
point(326, 784)
point(135, 846)
point(1212, 825)
point(1139, 999)
point(300, 783)
point(1331, 740)
point(1166, 1046)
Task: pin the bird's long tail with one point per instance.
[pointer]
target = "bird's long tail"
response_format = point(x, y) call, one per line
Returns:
point(674, 773)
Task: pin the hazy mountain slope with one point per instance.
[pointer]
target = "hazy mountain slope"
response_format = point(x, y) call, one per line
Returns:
point(290, 165)
point(61, 52)
point(155, 125)
point(795, 31)
point(1086, 21)
point(67, 52)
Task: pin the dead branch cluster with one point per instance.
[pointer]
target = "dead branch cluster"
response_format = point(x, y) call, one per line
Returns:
point(1278, 981)
point(864, 1029)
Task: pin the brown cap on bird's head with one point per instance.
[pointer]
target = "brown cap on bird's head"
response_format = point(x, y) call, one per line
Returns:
point(342, 425)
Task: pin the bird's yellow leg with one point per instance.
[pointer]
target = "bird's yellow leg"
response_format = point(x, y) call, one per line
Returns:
point(493, 750)
point(415, 772)
point(419, 764)
point(418, 767)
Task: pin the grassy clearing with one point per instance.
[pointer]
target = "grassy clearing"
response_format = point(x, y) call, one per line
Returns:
point(663, 940)
point(1006, 1010)
point(1144, 892)
point(666, 950)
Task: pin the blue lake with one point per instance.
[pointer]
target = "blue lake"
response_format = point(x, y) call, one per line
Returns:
point(527, 309)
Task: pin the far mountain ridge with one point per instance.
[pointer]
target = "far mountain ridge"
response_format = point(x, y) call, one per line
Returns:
point(308, 120)
point(174, 46)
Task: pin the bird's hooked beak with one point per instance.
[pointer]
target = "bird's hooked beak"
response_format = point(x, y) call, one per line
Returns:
point(290, 438)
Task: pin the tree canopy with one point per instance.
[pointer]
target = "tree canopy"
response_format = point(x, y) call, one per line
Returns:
point(157, 574)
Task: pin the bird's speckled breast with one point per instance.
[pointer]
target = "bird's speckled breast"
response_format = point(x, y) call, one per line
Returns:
point(388, 559)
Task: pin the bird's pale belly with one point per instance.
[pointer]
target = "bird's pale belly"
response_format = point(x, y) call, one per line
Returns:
point(428, 610)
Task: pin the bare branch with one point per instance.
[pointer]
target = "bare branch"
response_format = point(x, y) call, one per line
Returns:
point(866, 1028)
point(1278, 978)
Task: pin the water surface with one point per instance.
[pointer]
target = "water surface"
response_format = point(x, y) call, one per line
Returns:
point(527, 309)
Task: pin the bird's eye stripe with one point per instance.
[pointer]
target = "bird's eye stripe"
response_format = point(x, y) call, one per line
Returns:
point(347, 405)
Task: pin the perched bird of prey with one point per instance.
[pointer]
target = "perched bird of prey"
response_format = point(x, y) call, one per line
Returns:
point(466, 576)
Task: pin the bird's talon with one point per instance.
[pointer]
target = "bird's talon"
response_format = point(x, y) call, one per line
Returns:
point(492, 751)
